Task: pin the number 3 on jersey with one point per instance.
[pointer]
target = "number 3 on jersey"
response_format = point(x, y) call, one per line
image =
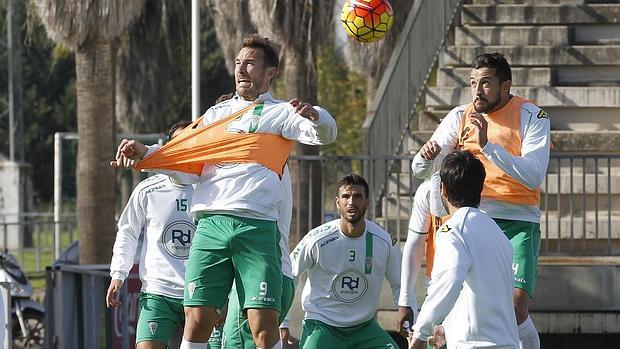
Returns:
point(181, 204)
point(351, 255)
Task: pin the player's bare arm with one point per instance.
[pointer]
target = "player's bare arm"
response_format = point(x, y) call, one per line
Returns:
point(430, 150)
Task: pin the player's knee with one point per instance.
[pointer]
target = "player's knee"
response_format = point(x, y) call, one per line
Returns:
point(264, 325)
point(150, 345)
point(197, 318)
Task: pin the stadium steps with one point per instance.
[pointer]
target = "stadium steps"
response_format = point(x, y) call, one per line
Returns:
point(573, 295)
point(565, 56)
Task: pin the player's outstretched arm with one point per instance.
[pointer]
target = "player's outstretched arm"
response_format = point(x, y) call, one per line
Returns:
point(452, 261)
point(309, 124)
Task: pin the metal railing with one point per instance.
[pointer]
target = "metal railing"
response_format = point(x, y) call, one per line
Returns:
point(404, 80)
point(30, 237)
point(580, 205)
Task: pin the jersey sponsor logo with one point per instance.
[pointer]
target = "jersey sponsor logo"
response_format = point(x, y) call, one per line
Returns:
point(153, 327)
point(320, 229)
point(444, 229)
point(177, 238)
point(332, 239)
point(542, 115)
point(350, 286)
point(150, 190)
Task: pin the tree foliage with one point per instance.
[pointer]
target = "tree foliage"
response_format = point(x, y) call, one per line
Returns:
point(343, 93)
point(49, 104)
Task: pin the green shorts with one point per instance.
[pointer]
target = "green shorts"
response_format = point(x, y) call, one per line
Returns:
point(160, 316)
point(316, 334)
point(237, 333)
point(227, 248)
point(525, 239)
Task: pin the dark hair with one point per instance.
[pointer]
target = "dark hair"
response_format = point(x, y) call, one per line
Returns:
point(495, 60)
point(462, 174)
point(270, 53)
point(353, 179)
point(177, 125)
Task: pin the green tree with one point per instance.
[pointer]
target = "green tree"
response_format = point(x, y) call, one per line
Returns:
point(49, 103)
point(343, 93)
point(91, 28)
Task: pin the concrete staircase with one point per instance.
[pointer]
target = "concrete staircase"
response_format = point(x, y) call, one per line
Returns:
point(565, 56)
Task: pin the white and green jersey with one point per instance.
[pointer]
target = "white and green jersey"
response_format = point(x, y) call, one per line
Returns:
point(159, 209)
point(345, 275)
point(251, 190)
point(471, 286)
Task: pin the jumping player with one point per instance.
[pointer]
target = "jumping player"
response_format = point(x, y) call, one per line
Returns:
point(511, 136)
point(236, 204)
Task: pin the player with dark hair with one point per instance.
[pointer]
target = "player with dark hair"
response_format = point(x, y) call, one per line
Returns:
point(346, 260)
point(471, 283)
point(511, 136)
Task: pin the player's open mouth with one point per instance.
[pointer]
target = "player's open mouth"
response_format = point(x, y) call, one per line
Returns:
point(243, 82)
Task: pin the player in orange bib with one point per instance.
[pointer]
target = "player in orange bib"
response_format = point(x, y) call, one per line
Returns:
point(237, 194)
point(511, 136)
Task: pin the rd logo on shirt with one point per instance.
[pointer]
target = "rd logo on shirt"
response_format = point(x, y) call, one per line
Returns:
point(177, 238)
point(350, 286)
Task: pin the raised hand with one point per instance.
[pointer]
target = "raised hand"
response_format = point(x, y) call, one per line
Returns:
point(430, 150)
point(304, 109)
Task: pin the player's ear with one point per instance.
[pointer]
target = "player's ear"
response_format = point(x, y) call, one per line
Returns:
point(337, 204)
point(505, 87)
point(271, 72)
point(444, 191)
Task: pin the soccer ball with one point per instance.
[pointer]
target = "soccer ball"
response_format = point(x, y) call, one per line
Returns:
point(366, 20)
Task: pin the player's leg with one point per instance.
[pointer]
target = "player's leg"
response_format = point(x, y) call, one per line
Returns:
point(258, 277)
point(159, 316)
point(316, 334)
point(525, 240)
point(237, 333)
point(369, 335)
point(208, 278)
point(236, 329)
